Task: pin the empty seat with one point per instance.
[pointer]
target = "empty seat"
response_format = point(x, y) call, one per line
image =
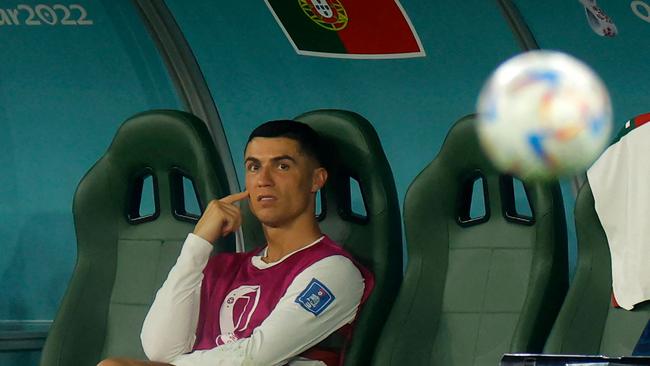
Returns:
point(132, 212)
point(477, 285)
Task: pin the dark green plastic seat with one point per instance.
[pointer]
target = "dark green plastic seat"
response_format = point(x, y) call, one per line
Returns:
point(588, 323)
point(475, 286)
point(375, 238)
point(123, 255)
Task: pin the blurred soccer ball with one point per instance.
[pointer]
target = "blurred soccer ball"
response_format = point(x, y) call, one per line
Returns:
point(542, 115)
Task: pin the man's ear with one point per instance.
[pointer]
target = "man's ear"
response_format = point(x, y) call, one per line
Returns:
point(318, 179)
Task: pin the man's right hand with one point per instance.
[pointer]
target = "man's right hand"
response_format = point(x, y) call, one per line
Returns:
point(220, 218)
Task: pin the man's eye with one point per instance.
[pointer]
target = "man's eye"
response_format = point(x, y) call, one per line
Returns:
point(253, 168)
point(283, 166)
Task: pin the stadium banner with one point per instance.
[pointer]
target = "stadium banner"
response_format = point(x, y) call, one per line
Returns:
point(362, 29)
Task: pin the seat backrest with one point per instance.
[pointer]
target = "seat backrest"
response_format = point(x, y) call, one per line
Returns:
point(588, 323)
point(124, 254)
point(476, 286)
point(375, 238)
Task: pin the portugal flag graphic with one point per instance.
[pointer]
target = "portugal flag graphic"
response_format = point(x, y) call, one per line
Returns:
point(347, 28)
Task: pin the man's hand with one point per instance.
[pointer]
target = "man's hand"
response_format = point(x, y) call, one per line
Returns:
point(220, 218)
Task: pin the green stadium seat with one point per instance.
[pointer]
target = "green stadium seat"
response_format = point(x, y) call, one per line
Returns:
point(588, 323)
point(476, 286)
point(371, 233)
point(124, 247)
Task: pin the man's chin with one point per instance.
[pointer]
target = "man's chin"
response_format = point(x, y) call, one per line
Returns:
point(268, 220)
point(274, 222)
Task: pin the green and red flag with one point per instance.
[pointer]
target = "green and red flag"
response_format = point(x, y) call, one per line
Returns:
point(347, 28)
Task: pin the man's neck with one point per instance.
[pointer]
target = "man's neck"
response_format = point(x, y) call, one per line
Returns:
point(286, 240)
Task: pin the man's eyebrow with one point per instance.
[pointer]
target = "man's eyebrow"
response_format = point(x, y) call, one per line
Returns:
point(274, 159)
point(284, 157)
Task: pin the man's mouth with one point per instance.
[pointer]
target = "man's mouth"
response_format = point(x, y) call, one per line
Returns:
point(265, 198)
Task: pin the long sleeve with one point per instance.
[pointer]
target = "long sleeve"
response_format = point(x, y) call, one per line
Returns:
point(296, 323)
point(170, 326)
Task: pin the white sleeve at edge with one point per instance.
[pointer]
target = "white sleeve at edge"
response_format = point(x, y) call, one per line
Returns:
point(170, 326)
point(290, 329)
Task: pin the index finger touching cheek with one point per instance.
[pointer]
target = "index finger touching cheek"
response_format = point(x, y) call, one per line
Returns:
point(235, 197)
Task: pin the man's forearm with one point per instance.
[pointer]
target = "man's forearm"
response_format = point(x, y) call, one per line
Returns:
point(170, 326)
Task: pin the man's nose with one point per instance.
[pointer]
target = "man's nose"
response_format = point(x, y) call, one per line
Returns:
point(264, 177)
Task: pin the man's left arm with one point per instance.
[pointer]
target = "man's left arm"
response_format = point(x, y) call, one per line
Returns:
point(320, 300)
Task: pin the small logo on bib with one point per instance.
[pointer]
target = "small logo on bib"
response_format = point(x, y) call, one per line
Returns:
point(315, 298)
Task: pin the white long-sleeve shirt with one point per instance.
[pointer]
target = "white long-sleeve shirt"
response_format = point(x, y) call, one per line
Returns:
point(168, 333)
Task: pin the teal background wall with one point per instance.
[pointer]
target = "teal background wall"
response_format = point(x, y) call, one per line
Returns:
point(621, 61)
point(64, 89)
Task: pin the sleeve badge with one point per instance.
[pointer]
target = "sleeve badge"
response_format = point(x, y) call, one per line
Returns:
point(315, 298)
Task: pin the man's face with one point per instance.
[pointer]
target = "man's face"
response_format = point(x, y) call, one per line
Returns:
point(281, 180)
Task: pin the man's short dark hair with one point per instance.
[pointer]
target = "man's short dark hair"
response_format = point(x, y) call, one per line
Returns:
point(308, 140)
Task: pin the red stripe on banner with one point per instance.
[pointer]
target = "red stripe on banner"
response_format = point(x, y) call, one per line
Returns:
point(376, 27)
point(641, 119)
